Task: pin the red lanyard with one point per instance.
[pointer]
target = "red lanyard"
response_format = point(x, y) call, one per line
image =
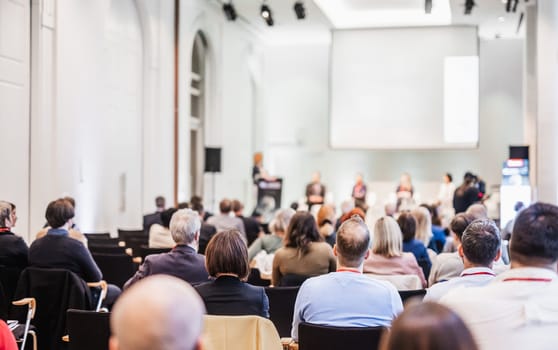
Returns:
point(527, 279)
point(348, 270)
point(4, 229)
point(478, 273)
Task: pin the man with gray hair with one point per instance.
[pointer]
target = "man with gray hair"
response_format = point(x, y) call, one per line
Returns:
point(479, 249)
point(182, 261)
point(347, 298)
point(142, 321)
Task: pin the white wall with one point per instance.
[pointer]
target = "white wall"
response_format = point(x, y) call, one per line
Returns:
point(296, 114)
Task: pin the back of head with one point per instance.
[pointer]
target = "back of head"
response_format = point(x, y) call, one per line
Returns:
point(58, 212)
point(428, 326)
point(301, 232)
point(197, 207)
point(408, 225)
point(535, 235)
point(71, 200)
point(159, 312)
point(326, 215)
point(184, 225)
point(166, 216)
point(5, 213)
point(388, 240)
point(226, 252)
point(352, 242)
point(459, 223)
point(281, 221)
point(160, 202)
point(225, 206)
point(237, 206)
point(481, 242)
point(353, 212)
point(424, 225)
point(478, 211)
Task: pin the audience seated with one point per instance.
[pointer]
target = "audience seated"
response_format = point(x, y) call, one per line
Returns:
point(424, 225)
point(73, 230)
point(407, 224)
point(227, 261)
point(480, 247)
point(387, 256)
point(438, 239)
point(428, 326)
point(182, 261)
point(224, 222)
point(326, 220)
point(519, 308)
point(478, 211)
point(158, 313)
point(270, 243)
point(304, 253)
point(450, 265)
point(206, 231)
point(159, 234)
point(466, 194)
point(154, 218)
point(347, 298)
point(57, 250)
point(251, 225)
point(13, 250)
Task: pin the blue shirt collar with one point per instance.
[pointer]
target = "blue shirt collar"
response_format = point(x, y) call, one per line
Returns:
point(57, 232)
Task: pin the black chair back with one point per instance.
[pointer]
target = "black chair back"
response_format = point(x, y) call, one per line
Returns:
point(412, 294)
point(8, 279)
point(123, 234)
point(99, 235)
point(281, 308)
point(135, 244)
point(55, 291)
point(88, 330)
point(255, 278)
point(145, 251)
point(116, 268)
point(106, 249)
point(103, 241)
point(292, 280)
point(315, 337)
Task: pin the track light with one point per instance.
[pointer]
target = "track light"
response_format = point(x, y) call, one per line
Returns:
point(266, 14)
point(514, 7)
point(469, 4)
point(229, 11)
point(300, 10)
point(428, 6)
point(508, 5)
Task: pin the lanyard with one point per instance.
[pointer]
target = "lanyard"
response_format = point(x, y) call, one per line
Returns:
point(478, 273)
point(348, 270)
point(4, 229)
point(527, 279)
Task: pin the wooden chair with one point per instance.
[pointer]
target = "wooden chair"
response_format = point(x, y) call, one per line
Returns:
point(88, 330)
point(316, 337)
point(281, 308)
point(240, 333)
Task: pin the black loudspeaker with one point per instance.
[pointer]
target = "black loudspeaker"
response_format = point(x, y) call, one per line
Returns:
point(212, 160)
point(519, 152)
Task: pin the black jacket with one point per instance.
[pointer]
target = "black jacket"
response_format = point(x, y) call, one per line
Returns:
point(13, 250)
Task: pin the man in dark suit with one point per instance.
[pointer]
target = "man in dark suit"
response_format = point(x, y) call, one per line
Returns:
point(206, 231)
point(182, 261)
point(251, 226)
point(154, 218)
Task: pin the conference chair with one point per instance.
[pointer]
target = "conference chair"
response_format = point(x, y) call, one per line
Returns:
point(281, 308)
point(292, 280)
point(316, 337)
point(255, 278)
point(97, 235)
point(106, 249)
point(88, 330)
point(123, 234)
point(401, 282)
point(21, 331)
point(116, 268)
point(145, 251)
point(239, 333)
point(55, 291)
point(417, 294)
point(8, 279)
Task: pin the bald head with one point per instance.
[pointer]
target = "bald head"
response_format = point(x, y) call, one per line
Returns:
point(352, 243)
point(158, 313)
point(478, 211)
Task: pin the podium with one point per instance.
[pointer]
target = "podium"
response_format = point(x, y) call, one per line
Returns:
point(269, 194)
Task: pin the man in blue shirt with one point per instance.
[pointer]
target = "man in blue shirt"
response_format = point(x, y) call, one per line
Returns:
point(347, 298)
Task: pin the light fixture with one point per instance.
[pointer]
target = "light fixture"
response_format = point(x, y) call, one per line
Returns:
point(229, 11)
point(514, 8)
point(501, 19)
point(299, 9)
point(469, 4)
point(508, 5)
point(428, 6)
point(266, 14)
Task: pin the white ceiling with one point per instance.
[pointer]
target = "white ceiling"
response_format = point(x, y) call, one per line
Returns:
point(489, 15)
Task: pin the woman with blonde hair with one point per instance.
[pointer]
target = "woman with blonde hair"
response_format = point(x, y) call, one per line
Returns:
point(424, 225)
point(387, 256)
point(326, 223)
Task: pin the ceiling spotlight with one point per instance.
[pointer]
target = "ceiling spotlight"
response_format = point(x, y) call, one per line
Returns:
point(469, 4)
point(229, 11)
point(515, 3)
point(266, 14)
point(508, 5)
point(300, 10)
point(428, 6)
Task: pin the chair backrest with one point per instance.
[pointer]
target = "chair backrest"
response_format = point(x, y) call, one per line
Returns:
point(412, 294)
point(116, 268)
point(106, 249)
point(401, 282)
point(292, 280)
point(145, 251)
point(8, 279)
point(98, 235)
point(123, 234)
point(240, 332)
point(88, 330)
point(55, 291)
point(316, 337)
point(114, 242)
point(281, 307)
point(255, 278)
point(135, 244)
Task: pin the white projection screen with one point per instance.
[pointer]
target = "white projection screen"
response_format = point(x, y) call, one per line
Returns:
point(405, 88)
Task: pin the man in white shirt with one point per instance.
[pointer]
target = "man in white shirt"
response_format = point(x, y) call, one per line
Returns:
point(480, 247)
point(347, 298)
point(519, 308)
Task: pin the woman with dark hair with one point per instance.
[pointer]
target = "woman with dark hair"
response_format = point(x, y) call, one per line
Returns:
point(428, 326)
point(226, 259)
point(304, 254)
point(408, 224)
